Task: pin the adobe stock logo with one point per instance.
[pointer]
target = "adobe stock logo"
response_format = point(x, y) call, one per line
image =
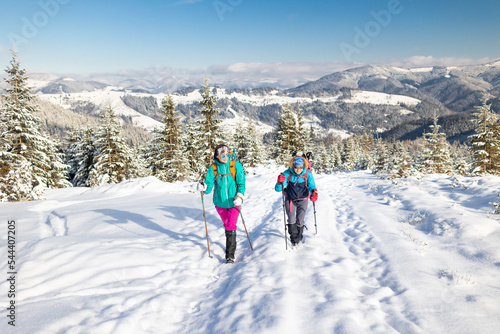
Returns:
point(31, 27)
point(223, 6)
point(363, 37)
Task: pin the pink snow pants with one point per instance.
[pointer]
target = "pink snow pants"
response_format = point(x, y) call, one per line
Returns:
point(229, 217)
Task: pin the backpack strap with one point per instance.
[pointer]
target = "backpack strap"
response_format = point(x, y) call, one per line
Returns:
point(214, 167)
point(298, 177)
point(232, 169)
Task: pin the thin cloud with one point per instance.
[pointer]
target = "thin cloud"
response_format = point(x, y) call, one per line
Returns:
point(422, 61)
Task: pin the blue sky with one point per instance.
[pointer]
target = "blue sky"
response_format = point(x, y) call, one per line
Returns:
point(96, 36)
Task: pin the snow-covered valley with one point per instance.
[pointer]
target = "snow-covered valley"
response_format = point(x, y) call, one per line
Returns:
point(416, 256)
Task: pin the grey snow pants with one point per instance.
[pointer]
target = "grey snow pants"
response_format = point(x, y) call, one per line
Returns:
point(296, 211)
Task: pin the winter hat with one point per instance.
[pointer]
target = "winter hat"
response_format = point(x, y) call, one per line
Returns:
point(219, 149)
point(298, 162)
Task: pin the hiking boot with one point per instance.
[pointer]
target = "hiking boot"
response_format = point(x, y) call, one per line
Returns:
point(230, 245)
point(294, 233)
point(300, 237)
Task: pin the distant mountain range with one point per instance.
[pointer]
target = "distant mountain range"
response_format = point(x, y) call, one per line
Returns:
point(395, 102)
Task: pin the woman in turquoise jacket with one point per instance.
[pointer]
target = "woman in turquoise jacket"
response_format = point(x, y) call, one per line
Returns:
point(229, 191)
point(298, 186)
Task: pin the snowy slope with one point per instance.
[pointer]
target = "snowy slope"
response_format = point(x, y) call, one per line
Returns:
point(103, 98)
point(420, 256)
point(113, 96)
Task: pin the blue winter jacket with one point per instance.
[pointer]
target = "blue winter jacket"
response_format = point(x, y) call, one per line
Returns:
point(296, 183)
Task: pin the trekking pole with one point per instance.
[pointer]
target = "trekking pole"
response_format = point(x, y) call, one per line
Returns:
point(315, 225)
point(284, 214)
point(206, 228)
point(239, 208)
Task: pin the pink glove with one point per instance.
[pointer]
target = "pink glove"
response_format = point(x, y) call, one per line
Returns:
point(281, 178)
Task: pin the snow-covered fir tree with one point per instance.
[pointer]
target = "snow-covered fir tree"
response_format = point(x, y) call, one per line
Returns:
point(351, 154)
point(256, 152)
point(287, 134)
point(303, 142)
point(195, 165)
point(57, 174)
point(461, 157)
point(322, 160)
point(310, 140)
point(436, 154)
point(81, 154)
point(248, 144)
point(16, 178)
point(113, 159)
point(73, 137)
point(400, 163)
point(335, 153)
point(22, 144)
point(168, 161)
point(366, 144)
point(240, 142)
point(138, 167)
point(485, 143)
point(208, 131)
point(381, 156)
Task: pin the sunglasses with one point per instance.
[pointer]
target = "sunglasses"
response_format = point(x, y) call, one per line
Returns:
point(298, 167)
point(224, 156)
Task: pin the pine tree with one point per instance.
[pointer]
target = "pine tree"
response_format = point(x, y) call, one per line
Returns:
point(322, 162)
point(400, 164)
point(351, 155)
point(286, 134)
point(113, 159)
point(22, 144)
point(436, 155)
point(382, 157)
point(195, 166)
point(366, 143)
point(72, 139)
point(255, 153)
point(461, 157)
point(208, 131)
point(170, 163)
point(310, 140)
point(302, 142)
point(83, 152)
point(57, 173)
point(334, 152)
point(485, 143)
point(16, 178)
point(138, 166)
point(241, 142)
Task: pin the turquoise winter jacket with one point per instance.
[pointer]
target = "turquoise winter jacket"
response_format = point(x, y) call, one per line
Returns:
point(311, 185)
point(225, 187)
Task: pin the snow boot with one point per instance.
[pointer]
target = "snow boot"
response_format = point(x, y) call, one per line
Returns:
point(294, 234)
point(300, 237)
point(230, 246)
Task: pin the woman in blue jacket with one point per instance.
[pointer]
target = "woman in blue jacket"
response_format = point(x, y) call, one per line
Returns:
point(298, 185)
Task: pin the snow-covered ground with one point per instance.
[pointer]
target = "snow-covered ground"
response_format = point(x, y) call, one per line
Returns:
point(419, 256)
